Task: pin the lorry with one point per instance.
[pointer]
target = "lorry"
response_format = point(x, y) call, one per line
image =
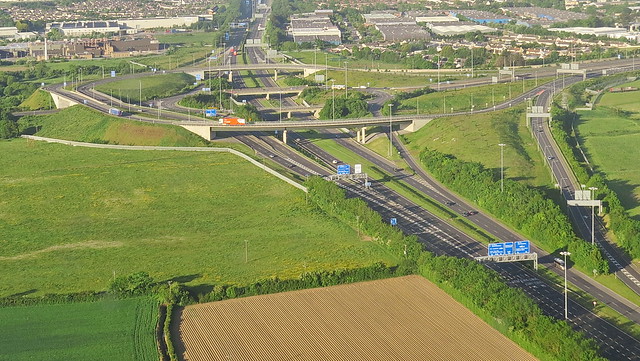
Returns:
point(233, 121)
point(114, 111)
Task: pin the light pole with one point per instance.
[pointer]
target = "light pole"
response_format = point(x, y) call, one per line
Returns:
point(346, 87)
point(280, 106)
point(593, 231)
point(566, 300)
point(501, 166)
point(140, 98)
point(390, 128)
point(333, 100)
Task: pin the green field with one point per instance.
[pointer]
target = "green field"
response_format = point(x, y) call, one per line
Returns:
point(102, 330)
point(71, 217)
point(86, 125)
point(610, 135)
point(476, 138)
point(153, 86)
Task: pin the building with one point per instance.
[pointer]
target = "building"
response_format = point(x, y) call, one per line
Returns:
point(481, 17)
point(614, 33)
point(8, 32)
point(394, 33)
point(307, 28)
point(84, 28)
point(458, 28)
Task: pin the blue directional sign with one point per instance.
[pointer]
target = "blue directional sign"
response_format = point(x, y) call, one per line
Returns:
point(508, 248)
point(198, 77)
point(113, 73)
point(523, 247)
point(496, 249)
point(206, 89)
point(344, 169)
point(394, 221)
point(210, 112)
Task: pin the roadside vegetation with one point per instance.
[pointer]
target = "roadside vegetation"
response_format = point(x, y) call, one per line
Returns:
point(82, 124)
point(427, 101)
point(38, 100)
point(355, 106)
point(153, 86)
point(613, 175)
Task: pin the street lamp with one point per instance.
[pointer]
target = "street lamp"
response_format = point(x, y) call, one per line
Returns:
point(346, 87)
point(501, 166)
point(593, 231)
point(390, 128)
point(333, 100)
point(566, 300)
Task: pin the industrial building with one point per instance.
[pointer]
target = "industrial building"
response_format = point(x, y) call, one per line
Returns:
point(393, 33)
point(458, 28)
point(481, 17)
point(307, 28)
point(614, 33)
point(126, 26)
point(543, 16)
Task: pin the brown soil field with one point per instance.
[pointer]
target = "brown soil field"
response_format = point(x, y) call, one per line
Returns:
point(405, 318)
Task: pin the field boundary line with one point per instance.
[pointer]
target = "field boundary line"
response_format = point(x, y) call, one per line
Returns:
point(184, 149)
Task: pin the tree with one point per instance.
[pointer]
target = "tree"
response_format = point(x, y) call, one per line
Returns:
point(8, 129)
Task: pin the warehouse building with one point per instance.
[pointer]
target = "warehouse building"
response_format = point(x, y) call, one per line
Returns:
point(307, 28)
point(458, 28)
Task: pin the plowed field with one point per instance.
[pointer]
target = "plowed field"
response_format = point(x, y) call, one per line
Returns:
point(406, 318)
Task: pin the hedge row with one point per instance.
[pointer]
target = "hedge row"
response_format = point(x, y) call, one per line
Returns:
point(522, 207)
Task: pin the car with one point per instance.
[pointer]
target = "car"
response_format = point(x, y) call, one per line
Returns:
point(271, 156)
point(471, 213)
point(550, 157)
point(450, 203)
point(466, 214)
point(334, 161)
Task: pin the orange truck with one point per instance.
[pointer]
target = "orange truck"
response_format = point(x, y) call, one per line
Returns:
point(233, 121)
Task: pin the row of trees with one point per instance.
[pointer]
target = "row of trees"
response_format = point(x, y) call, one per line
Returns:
point(522, 207)
point(354, 106)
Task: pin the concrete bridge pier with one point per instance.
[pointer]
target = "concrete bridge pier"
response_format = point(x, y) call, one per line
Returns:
point(268, 97)
point(275, 75)
point(204, 132)
point(363, 136)
point(284, 136)
point(230, 80)
point(288, 115)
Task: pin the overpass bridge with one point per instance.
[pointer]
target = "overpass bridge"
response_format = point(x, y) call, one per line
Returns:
point(208, 129)
point(266, 91)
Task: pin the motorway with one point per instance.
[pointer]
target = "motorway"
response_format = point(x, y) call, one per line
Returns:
point(441, 238)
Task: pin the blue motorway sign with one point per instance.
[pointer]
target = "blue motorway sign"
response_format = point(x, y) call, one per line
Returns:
point(344, 169)
point(206, 89)
point(210, 113)
point(394, 221)
point(523, 247)
point(198, 77)
point(113, 73)
point(496, 249)
point(508, 248)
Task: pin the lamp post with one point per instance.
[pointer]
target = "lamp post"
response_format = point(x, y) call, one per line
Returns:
point(566, 300)
point(390, 128)
point(346, 87)
point(140, 98)
point(280, 106)
point(501, 166)
point(593, 231)
point(333, 100)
